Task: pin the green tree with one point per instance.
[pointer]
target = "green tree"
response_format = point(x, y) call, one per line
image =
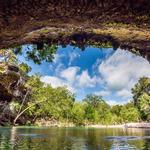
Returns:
point(37, 52)
point(97, 110)
point(78, 113)
point(56, 102)
point(116, 109)
point(24, 68)
point(140, 88)
point(93, 100)
point(8, 57)
point(129, 114)
point(144, 106)
point(141, 97)
point(89, 112)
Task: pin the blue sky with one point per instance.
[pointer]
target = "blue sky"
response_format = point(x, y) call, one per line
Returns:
point(104, 72)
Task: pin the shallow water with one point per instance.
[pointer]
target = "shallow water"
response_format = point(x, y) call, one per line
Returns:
point(24, 138)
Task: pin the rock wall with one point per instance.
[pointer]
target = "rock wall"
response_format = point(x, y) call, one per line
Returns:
point(11, 88)
point(11, 83)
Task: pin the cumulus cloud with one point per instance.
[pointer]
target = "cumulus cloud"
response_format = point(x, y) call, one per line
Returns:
point(54, 81)
point(57, 58)
point(57, 65)
point(103, 93)
point(124, 93)
point(112, 102)
point(72, 56)
point(122, 70)
point(70, 73)
point(57, 82)
point(71, 78)
point(84, 80)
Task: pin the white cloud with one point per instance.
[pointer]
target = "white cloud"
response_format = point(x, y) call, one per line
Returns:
point(111, 102)
point(122, 70)
point(124, 93)
point(54, 81)
point(72, 56)
point(57, 65)
point(57, 58)
point(84, 80)
point(103, 93)
point(59, 68)
point(70, 74)
point(57, 82)
point(71, 78)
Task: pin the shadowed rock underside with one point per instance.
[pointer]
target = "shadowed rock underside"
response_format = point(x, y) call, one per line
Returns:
point(122, 23)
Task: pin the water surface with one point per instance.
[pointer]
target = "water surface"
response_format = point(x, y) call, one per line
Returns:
point(32, 138)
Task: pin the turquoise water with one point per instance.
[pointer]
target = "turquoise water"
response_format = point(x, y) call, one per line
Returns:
point(31, 138)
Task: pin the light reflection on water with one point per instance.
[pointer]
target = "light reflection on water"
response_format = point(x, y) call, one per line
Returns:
point(121, 142)
point(32, 138)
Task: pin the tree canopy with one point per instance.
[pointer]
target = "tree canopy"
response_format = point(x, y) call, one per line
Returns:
point(141, 97)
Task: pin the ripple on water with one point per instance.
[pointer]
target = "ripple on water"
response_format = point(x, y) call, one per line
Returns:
point(121, 142)
point(122, 146)
point(126, 138)
point(33, 135)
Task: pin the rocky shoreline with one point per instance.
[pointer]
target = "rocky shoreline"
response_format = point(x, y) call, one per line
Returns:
point(126, 125)
point(137, 125)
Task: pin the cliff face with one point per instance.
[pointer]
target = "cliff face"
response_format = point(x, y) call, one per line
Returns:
point(11, 88)
point(125, 22)
point(11, 84)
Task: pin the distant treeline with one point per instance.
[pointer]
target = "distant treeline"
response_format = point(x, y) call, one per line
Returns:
point(60, 104)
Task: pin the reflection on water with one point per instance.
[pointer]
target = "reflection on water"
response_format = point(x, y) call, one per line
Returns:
point(122, 145)
point(121, 142)
point(74, 139)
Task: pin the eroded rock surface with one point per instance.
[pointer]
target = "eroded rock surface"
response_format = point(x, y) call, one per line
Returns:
point(11, 84)
point(11, 88)
point(125, 22)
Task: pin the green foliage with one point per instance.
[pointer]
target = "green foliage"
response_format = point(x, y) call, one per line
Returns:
point(46, 54)
point(140, 88)
point(97, 110)
point(94, 100)
point(24, 68)
point(144, 106)
point(129, 114)
point(44, 101)
point(60, 104)
point(56, 102)
point(141, 92)
point(104, 114)
point(116, 109)
point(8, 56)
point(38, 52)
point(78, 113)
